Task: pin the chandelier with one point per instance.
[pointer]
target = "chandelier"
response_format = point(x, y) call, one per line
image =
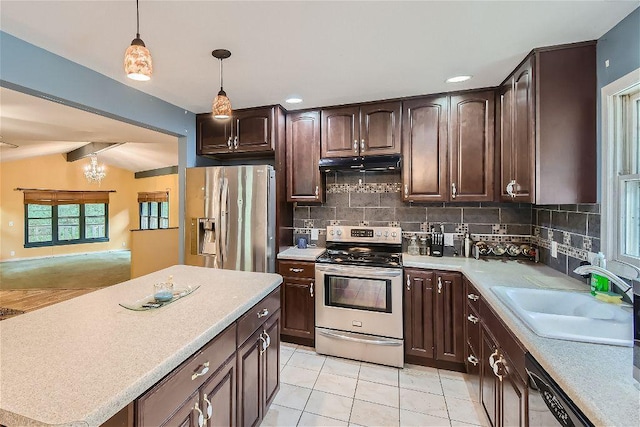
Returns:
point(93, 172)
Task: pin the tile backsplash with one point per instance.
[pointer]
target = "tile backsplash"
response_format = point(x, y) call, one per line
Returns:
point(375, 199)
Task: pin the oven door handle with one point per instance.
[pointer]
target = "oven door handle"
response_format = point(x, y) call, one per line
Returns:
point(385, 272)
point(360, 340)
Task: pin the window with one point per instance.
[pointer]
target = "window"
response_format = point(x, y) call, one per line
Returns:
point(621, 170)
point(55, 218)
point(154, 210)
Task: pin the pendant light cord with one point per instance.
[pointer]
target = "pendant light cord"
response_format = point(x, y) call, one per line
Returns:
point(220, 73)
point(137, 20)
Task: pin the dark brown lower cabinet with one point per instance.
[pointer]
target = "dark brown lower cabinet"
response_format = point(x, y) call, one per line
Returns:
point(258, 372)
point(219, 394)
point(433, 319)
point(186, 415)
point(298, 302)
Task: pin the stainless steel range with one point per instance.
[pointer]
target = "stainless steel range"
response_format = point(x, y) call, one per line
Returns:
point(359, 295)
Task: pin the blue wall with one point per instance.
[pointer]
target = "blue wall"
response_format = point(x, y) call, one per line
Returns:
point(621, 46)
point(33, 70)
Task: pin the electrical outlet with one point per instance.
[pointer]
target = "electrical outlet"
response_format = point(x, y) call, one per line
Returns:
point(448, 239)
point(10, 223)
point(315, 232)
point(13, 253)
point(554, 249)
point(124, 244)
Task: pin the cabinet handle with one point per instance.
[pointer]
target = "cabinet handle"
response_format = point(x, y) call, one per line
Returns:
point(473, 319)
point(229, 143)
point(492, 357)
point(209, 408)
point(316, 191)
point(235, 142)
point(510, 187)
point(473, 297)
point(497, 370)
point(268, 338)
point(408, 282)
point(264, 344)
point(362, 145)
point(439, 285)
point(454, 191)
point(263, 313)
point(355, 145)
point(200, 415)
point(406, 189)
point(311, 289)
point(203, 369)
point(295, 270)
point(472, 359)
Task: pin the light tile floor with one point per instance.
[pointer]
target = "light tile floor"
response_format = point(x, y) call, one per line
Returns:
point(320, 390)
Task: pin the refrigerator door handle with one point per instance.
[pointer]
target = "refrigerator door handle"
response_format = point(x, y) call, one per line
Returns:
point(218, 210)
point(224, 230)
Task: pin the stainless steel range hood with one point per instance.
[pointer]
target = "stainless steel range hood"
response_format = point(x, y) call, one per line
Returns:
point(367, 163)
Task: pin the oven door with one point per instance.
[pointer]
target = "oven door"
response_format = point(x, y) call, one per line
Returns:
point(364, 300)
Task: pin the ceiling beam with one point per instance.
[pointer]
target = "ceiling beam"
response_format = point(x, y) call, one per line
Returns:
point(90, 148)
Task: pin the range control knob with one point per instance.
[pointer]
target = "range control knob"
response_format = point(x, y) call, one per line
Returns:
point(339, 232)
point(332, 232)
point(378, 233)
point(394, 234)
point(386, 234)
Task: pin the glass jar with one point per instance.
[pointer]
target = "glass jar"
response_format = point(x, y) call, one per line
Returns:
point(423, 245)
point(413, 248)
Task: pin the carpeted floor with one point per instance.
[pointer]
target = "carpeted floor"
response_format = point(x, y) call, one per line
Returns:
point(67, 272)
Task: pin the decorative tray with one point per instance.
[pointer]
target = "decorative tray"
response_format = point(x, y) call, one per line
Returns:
point(150, 303)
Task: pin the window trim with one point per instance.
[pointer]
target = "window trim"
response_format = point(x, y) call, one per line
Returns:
point(610, 202)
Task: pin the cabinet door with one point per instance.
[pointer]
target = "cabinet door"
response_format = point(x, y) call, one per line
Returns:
point(250, 383)
point(523, 132)
point(418, 314)
point(424, 149)
point(253, 130)
point(298, 307)
point(219, 394)
point(340, 132)
point(513, 397)
point(213, 136)
point(380, 128)
point(448, 319)
point(186, 415)
point(505, 132)
point(471, 140)
point(304, 181)
point(271, 359)
point(488, 380)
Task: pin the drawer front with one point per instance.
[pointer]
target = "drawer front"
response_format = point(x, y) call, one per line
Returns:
point(257, 315)
point(472, 296)
point(473, 328)
point(158, 404)
point(299, 269)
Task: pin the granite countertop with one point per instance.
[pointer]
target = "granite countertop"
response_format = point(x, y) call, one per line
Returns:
point(308, 254)
point(80, 361)
point(597, 377)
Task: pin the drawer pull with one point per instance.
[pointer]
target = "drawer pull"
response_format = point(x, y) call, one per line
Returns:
point(311, 289)
point(209, 408)
point(408, 282)
point(439, 285)
point(473, 319)
point(296, 270)
point(473, 297)
point(472, 359)
point(202, 369)
point(200, 415)
point(263, 313)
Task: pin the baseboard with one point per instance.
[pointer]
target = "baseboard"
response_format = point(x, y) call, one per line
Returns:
point(62, 255)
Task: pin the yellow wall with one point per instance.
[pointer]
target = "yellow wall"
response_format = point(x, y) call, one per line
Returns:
point(54, 172)
point(145, 256)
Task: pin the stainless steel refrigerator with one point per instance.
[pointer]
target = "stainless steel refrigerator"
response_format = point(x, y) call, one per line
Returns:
point(230, 215)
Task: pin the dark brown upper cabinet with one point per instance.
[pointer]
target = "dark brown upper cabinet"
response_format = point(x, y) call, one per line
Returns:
point(424, 149)
point(304, 180)
point(361, 130)
point(471, 142)
point(248, 131)
point(547, 127)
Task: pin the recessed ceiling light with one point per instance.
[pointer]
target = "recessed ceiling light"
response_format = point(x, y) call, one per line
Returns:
point(458, 79)
point(293, 100)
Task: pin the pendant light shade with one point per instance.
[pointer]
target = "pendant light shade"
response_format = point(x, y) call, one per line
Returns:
point(137, 58)
point(221, 107)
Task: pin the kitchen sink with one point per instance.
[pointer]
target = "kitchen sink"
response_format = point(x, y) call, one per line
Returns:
point(572, 316)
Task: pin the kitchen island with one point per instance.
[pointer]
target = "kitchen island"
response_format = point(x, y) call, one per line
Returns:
point(81, 361)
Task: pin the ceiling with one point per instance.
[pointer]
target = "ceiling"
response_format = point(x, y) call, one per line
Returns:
point(327, 52)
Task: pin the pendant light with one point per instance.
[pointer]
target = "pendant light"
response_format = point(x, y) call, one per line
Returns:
point(137, 58)
point(221, 107)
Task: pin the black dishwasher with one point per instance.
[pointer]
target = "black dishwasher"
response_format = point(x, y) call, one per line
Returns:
point(548, 404)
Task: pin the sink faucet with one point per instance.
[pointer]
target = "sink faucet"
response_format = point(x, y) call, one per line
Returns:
point(621, 284)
